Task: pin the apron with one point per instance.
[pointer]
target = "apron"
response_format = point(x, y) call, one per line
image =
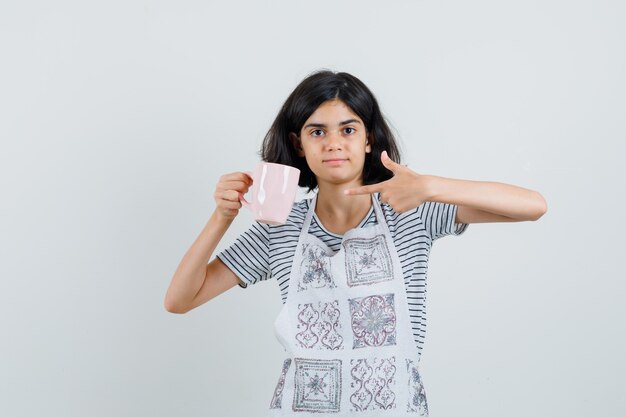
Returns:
point(346, 330)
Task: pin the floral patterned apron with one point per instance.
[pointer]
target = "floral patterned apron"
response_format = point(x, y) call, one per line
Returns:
point(346, 329)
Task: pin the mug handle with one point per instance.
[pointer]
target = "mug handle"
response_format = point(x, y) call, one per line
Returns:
point(243, 201)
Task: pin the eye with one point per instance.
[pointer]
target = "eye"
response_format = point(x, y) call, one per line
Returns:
point(350, 130)
point(315, 134)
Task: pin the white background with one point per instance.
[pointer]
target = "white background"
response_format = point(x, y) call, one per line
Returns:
point(117, 119)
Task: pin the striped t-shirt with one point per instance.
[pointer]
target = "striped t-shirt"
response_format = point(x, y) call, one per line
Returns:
point(266, 251)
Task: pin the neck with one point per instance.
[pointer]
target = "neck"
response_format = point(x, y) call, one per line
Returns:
point(339, 211)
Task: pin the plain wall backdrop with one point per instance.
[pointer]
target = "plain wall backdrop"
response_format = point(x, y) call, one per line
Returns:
point(117, 119)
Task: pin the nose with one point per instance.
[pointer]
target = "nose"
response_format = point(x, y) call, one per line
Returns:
point(334, 141)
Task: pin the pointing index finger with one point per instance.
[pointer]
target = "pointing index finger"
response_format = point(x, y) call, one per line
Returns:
point(365, 189)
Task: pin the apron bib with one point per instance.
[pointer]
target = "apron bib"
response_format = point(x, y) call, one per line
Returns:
point(346, 329)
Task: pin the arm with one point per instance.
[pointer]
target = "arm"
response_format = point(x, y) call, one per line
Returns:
point(195, 282)
point(485, 201)
point(477, 201)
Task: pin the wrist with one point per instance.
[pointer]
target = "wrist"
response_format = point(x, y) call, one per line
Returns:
point(220, 219)
point(433, 187)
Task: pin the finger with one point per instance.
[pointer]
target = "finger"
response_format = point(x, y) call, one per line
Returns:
point(366, 189)
point(230, 195)
point(233, 185)
point(390, 164)
point(237, 176)
point(231, 205)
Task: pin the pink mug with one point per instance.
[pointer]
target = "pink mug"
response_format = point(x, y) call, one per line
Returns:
point(273, 192)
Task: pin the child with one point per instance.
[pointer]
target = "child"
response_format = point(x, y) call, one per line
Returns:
point(350, 262)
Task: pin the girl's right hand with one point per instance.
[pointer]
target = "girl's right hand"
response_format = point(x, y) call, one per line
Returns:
point(228, 191)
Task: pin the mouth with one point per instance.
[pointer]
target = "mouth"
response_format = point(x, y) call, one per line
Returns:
point(334, 162)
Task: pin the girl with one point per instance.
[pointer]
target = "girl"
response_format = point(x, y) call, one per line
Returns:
point(351, 261)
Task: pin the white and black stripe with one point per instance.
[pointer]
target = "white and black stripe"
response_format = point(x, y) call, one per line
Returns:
point(265, 251)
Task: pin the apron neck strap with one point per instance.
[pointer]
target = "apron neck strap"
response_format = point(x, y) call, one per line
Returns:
point(380, 218)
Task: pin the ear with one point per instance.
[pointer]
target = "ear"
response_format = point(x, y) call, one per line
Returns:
point(295, 141)
point(368, 146)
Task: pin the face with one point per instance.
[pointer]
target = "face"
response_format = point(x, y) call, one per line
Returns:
point(334, 142)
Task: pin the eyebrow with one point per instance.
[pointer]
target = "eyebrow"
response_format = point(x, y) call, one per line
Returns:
point(345, 122)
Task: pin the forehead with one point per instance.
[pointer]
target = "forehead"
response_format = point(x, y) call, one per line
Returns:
point(332, 111)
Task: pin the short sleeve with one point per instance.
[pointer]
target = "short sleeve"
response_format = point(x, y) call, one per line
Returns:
point(439, 219)
point(248, 257)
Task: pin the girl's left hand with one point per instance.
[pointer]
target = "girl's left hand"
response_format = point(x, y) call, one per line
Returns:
point(405, 191)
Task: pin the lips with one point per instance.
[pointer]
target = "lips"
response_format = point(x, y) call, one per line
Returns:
point(334, 162)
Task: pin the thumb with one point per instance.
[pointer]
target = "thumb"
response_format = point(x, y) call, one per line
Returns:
point(388, 162)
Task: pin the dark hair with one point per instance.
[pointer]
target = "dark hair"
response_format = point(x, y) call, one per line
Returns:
point(315, 89)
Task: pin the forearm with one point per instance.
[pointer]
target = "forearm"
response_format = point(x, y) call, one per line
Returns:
point(191, 271)
point(495, 197)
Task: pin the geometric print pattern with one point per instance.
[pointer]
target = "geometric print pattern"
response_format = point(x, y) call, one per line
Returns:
point(367, 261)
point(278, 392)
point(417, 395)
point(373, 384)
point(373, 320)
point(315, 268)
point(317, 385)
point(318, 327)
